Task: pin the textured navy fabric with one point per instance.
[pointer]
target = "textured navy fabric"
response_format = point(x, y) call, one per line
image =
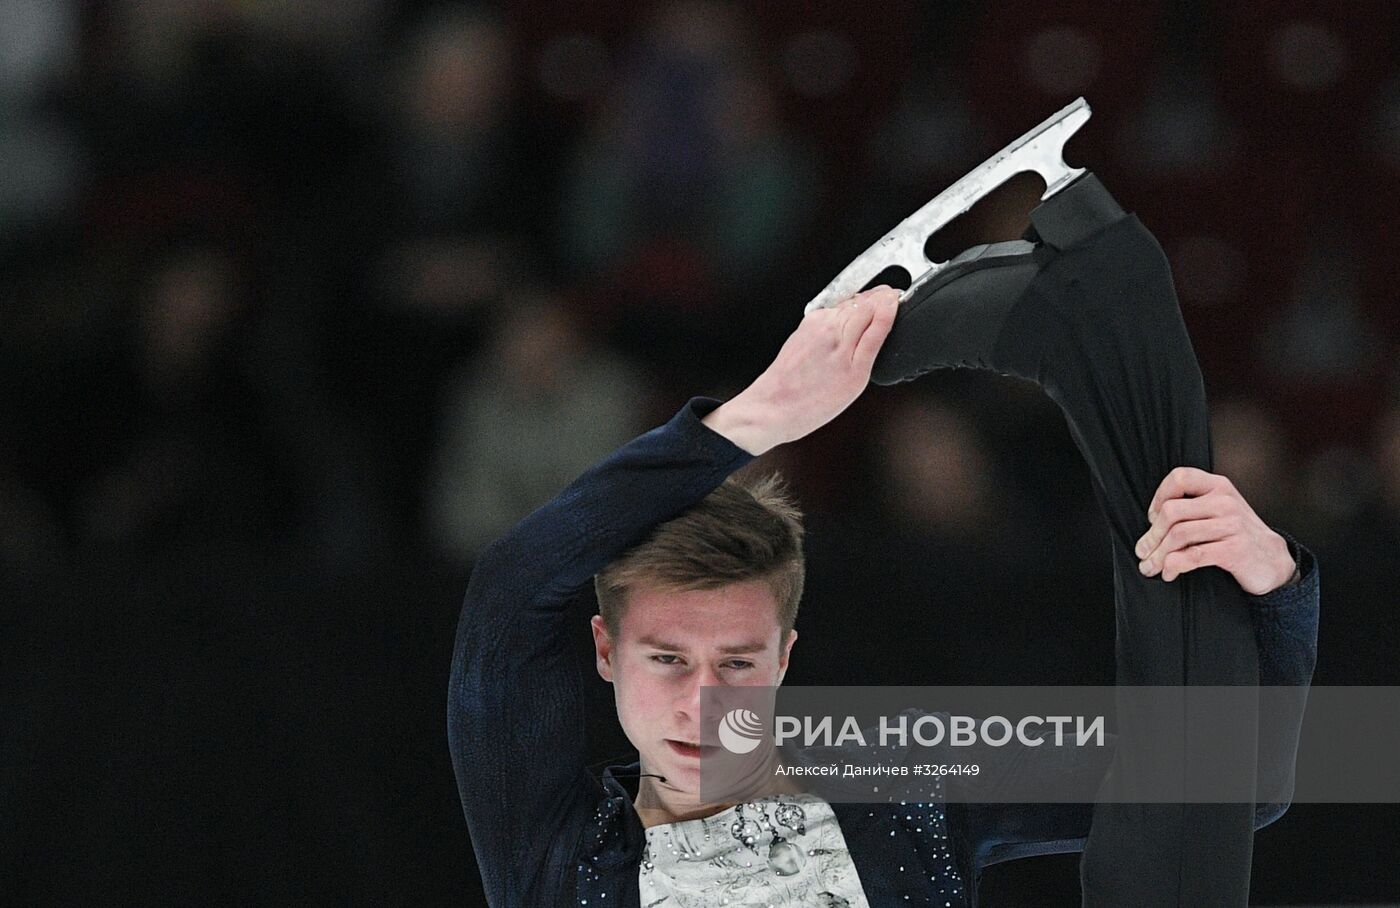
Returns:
point(546, 832)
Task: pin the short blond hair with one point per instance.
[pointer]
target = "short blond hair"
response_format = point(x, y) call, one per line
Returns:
point(747, 529)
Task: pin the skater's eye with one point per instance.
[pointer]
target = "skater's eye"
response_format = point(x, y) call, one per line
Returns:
point(672, 659)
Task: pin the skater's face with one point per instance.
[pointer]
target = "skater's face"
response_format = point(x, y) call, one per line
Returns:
point(672, 643)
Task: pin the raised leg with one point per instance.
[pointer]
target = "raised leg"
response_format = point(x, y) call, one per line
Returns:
point(1088, 312)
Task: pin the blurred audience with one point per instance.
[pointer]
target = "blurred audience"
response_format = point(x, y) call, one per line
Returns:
point(688, 153)
point(686, 198)
point(456, 160)
point(541, 405)
point(1252, 449)
point(189, 460)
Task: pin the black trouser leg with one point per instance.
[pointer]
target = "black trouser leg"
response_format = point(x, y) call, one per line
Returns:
point(1092, 317)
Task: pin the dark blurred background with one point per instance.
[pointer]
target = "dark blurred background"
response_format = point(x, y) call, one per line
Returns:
point(303, 303)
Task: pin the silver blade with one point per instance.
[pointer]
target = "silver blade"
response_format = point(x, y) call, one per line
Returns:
point(1041, 150)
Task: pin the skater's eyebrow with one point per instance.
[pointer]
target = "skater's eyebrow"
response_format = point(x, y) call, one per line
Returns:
point(748, 646)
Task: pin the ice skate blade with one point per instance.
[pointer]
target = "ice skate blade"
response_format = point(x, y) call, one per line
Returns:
point(1041, 150)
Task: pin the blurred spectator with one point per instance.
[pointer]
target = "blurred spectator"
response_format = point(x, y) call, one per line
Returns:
point(1359, 637)
point(456, 217)
point(943, 556)
point(1252, 450)
point(1372, 536)
point(191, 463)
point(688, 175)
point(1322, 334)
point(940, 484)
point(927, 142)
point(430, 302)
point(40, 153)
point(1336, 484)
point(1322, 348)
point(537, 409)
point(456, 157)
point(1388, 459)
point(938, 480)
point(1180, 131)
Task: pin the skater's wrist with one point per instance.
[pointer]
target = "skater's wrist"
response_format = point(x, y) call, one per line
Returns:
point(744, 424)
point(1289, 564)
point(1282, 568)
point(823, 366)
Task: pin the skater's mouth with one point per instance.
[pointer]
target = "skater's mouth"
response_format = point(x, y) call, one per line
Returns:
point(690, 749)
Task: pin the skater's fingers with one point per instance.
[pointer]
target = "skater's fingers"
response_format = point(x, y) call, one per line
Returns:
point(854, 315)
point(1209, 554)
point(1184, 534)
point(833, 319)
point(1184, 481)
point(852, 303)
point(1173, 511)
point(872, 338)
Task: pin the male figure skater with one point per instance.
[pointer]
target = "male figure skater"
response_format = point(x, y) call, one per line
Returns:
point(699, 574)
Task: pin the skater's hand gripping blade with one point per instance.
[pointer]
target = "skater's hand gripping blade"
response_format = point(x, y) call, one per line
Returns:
point(1041, 150)
point(954, 320)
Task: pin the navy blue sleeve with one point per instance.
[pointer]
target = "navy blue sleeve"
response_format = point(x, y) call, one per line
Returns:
point(1285, 626)
point(515, 703)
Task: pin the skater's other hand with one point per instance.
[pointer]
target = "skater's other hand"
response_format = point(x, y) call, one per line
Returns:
point(1200, 519)
point(821, 369)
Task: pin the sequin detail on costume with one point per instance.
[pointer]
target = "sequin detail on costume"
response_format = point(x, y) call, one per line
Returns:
point(783, 850)
point(928, 877)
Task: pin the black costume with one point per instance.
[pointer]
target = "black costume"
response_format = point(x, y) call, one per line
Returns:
point(1088, 312)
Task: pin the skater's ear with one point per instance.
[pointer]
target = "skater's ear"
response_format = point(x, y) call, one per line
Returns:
point(784, 651)
point(602, 647)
